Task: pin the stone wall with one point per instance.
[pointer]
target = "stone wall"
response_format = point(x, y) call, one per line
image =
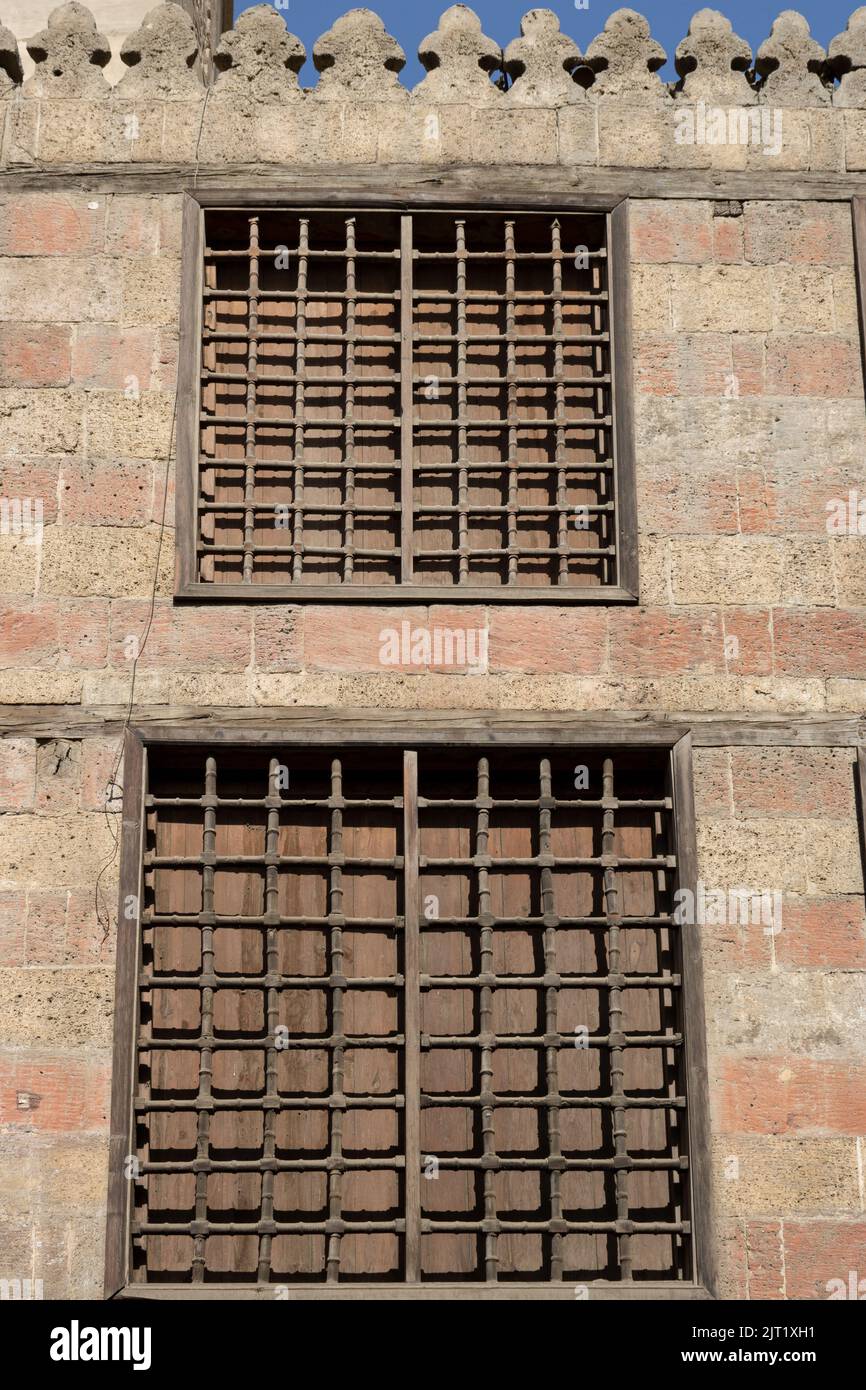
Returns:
point(750, 428)
point(750, 422)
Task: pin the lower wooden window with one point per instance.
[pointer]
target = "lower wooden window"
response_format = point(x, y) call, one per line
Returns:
point(408, 1015)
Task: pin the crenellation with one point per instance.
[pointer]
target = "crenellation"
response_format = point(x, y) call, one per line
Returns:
point(542, 63)
point(792, 66)
point(359, 61)
point(847, 58)
point(625, 59)
point(161, 58)
point(69, 55)
point(459, 59)
point(10, 62)
point(259, 60)
point(714, 63)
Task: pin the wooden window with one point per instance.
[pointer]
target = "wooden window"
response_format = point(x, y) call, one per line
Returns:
point(417, 1015)
point(381, 403)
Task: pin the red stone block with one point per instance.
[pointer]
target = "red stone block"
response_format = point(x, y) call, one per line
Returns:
point(52, 224)
point(17, 773)
point(279, 633)
point(115, 359)
point(748, 641)
point(658, 642)
point(381, 640)
point(790, 1095)
point(823, 933)
point(766, 1262)
point(728, 239)
point(110, 493)
point(825, 1259)
point(572, 641)
point(820, 642)
point(813, 364)
point(184, 639)
point(35, 354)
point(54, 1094)
point(792, 781)
point(671, 232)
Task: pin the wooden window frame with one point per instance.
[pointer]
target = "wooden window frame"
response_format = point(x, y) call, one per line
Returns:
point(858, 219)
point(860, 801)
point(189, 587)
point(432, 730)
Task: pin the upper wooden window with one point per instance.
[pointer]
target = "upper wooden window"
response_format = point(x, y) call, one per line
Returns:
point(396, 404)
point(419, 1014)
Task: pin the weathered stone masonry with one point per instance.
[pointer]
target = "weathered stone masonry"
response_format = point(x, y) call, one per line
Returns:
point(750, 421)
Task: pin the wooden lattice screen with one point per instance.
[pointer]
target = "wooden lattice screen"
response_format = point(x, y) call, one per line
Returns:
point(409, 1016)
point(413, 400)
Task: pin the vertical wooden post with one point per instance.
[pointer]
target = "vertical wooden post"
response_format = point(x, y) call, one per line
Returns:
point(188, 485)
point(125, 1055)
point(621, 370)
point(858, 214)
point(697, 1080)
point(407, 387)
point(861, 801)
point(412, 1015)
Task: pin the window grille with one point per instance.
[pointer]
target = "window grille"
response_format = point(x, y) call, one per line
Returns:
point(409, 1016)
point(410, 402)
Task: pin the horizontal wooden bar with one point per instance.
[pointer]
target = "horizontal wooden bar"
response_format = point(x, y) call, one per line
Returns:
point(293, 421)
point(288, 1165)
point(410, 593)
point(165, 861)
point(518, 466)
point(475, 424)
point(503, 1291)
point(570, 340)
point(527, 297)
point(201, 981)
point(552, 1102)
point(191, 919)
point(497, 1163)
point(395, 1161)
point(360, 725)
point(532, 861)
point(259, 1103)
point(558, 1040)
point(280, 296)
point(548, 982)
point(327, 803)
point(250, 1228)
point(148, 1043)
point(294, 547)
point(287, 336)
point(461, 187)
point(587, 1227)
point(470, 255)
point(337, 379)
point(552, 803)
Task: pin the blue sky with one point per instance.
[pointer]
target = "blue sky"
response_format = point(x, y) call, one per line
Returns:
point(410, 20)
